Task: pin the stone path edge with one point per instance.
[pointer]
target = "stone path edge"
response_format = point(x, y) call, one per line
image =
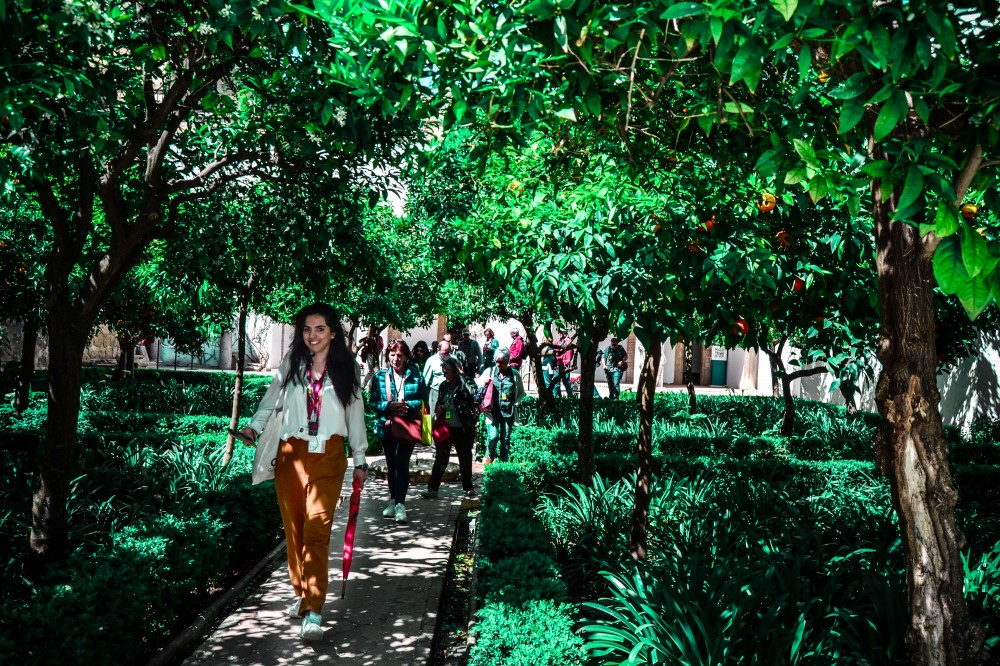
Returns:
point(171, 654)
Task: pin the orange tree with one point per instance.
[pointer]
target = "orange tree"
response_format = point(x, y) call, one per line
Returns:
point(23, 238)
point(115, 116)
point(906, 86)
point(802, 275)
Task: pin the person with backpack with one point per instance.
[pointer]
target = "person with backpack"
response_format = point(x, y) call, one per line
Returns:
point(457, 408)
point(504, 386)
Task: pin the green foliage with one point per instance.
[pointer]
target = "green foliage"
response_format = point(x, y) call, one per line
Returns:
point(537, 633)
point(510, 527)
point(515, 581)
point(747, 573)
point(154, 508)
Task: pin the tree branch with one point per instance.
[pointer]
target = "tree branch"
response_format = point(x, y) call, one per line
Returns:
point(142, 132)
point(631, 79)
point(973, 162)
point(808, 372)
point(201, 177)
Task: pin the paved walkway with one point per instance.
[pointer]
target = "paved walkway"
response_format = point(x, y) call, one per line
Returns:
point(393, 592)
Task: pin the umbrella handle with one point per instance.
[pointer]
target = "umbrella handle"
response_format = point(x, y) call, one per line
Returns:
point(343, 589)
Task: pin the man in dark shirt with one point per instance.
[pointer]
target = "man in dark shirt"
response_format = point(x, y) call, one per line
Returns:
point(615, 365)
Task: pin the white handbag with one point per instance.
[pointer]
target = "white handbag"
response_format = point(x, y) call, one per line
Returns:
point(266, 455)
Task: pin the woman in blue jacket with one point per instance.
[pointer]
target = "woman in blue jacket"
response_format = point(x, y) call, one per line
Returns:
point(398, 390)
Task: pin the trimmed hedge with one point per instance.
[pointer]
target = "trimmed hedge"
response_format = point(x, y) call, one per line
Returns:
point(155, 521)
point(523, 620)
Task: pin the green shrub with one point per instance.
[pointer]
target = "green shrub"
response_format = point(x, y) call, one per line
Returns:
point(106, 610)
point(539, 633)
point(520, 579)
point(741, 572)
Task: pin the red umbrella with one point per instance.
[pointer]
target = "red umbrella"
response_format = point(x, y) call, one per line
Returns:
point(352, 523)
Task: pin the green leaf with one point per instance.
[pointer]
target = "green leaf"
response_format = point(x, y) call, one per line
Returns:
point(877, 169)
point(975, 295)
point(748, 62)
point(851, 114)
point(806, 152)
point(567, 113)
point(785, 7)
point(912, 188)
point(683, 10)
point(892, 112)
point(948, 267)
point(561, 34)
point(946, 219)
point(976, 254)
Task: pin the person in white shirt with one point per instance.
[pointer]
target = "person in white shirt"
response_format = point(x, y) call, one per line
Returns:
point(318, 392)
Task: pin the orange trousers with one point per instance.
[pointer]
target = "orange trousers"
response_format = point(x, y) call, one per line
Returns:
point(308, 486)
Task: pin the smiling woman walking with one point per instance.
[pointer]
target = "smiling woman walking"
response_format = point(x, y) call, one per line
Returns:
point(318, 390)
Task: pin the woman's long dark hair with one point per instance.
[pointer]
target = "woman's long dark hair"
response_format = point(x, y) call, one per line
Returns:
point(340, 365)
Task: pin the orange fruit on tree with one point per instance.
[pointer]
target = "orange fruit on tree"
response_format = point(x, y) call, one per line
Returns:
point(969, 210)
point(798, 285)
point(767, 203)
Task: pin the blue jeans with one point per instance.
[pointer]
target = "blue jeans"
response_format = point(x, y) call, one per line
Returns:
point(549, 377)
point(499, 432)
point(614, 383)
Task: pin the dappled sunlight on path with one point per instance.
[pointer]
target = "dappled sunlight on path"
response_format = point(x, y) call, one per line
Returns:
point(393, 593)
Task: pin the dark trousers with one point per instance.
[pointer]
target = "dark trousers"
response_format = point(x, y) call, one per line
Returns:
point(461, 439)
point(563, 376)
point(397, 464)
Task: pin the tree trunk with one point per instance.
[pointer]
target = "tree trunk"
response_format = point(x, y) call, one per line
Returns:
point(847, 391)
point(122, 362)
point(241, 359)
point(688, 378)
point(26, 370)
point(783, 389)
point(126, 356)
point(49, 528)
point(774, 358)
point(534, 353)
point(588, 367)
point(788, 413)
point(352, 344)
point(587, 344)
point(911, 450)
point(644, 475)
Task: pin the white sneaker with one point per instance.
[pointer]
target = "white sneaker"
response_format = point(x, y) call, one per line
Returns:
point(400, 513)
point(311, 631)
point(295, 610)
point(390, 509)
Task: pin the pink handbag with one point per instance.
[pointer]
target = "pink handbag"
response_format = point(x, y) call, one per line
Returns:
point(442, 431)
point(489, 397)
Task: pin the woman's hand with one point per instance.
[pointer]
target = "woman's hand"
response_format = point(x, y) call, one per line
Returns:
point(360, 475)
point(439, 410)
point(398, 408)
point(250, 434)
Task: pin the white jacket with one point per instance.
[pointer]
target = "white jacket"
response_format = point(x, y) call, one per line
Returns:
point(334, 418)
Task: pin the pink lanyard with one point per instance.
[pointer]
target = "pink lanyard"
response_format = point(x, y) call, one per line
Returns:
point(314, 400)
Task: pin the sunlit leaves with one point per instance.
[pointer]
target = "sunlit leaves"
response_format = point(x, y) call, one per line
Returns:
point(963, 269)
